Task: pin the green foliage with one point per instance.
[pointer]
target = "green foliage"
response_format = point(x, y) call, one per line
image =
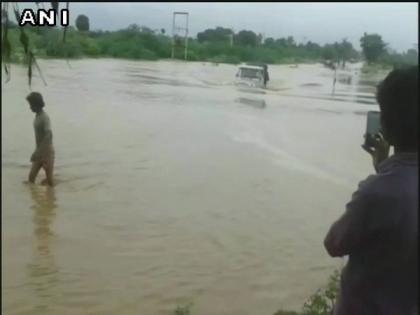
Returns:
point(192, 56)
point(183, 310)
point(329, 52)
point(225, 59)
point(338, 52)
point(269, 42)
point(246, 38)
point(322, 302)
point(82, 23)
point(28, 56)
point(219, 34)
point(218, 45)
point(134, 43)
point(395, 60)
point(137, 42)
point(373, 46)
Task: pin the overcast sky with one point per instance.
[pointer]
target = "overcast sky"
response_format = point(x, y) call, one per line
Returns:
point(396, 22)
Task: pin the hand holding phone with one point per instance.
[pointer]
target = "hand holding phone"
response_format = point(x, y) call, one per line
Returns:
point(375, 144)
point(373, 128)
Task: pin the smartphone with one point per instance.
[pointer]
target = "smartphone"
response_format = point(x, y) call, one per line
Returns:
point(373, 127)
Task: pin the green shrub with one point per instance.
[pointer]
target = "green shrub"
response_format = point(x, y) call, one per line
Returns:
point(141, 43)
point(192, 56)
point(147, 54)
point(225, 59)
point(183, 310)
point(322, 302)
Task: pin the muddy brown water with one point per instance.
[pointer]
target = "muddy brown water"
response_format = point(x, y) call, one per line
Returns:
point(175, 186)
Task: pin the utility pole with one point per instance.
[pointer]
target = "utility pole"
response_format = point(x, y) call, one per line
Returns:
point(183, 32)
point(231, 36)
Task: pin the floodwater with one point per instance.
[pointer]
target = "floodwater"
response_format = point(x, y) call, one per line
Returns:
point(175, 186)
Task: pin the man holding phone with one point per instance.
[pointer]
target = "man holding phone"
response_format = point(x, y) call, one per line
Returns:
point(379, 229)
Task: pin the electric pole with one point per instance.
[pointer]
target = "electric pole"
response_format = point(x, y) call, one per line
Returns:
point(182, 30)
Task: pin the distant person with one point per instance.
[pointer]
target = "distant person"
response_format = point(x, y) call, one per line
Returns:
point(266, 77)
point(43, 157)
point(379, 229)
point(334, 81)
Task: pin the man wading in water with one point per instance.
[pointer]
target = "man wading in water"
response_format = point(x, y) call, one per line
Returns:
point(43, 157)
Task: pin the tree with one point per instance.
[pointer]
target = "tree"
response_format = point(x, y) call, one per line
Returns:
point(163, 31)
point(290, 41)
point(145, 29)
point(82, 23)
point(281, 42)
point(133, 28)
point(260, 38)
point(269, 42)
point(373, 46)
point(219, 34)
point(329, 52)
point(24, 40)
point(312, 46)
point(247, 38)
point(345, 51)
point(412, 56)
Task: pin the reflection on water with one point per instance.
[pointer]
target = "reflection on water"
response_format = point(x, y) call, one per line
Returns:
point(43, 271)
point(251, 90)
point(311, 85)
point(257, 103)
point(149, 79)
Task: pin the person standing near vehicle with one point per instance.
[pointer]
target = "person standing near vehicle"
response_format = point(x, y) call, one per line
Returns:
point(266, 76)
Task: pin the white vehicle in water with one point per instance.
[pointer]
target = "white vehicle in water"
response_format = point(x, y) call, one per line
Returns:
point(250, 76)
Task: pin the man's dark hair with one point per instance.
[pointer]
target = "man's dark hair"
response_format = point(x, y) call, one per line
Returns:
point(397, 96)
point(36, 99)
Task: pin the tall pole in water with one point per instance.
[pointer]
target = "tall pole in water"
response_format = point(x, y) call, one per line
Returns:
point(231, 36)
point(186, 38)
point(175, 34)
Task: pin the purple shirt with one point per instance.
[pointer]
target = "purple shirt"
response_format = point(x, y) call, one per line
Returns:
point(379, 233)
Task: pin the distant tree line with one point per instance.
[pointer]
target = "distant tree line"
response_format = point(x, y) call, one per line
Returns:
point(216, 45)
